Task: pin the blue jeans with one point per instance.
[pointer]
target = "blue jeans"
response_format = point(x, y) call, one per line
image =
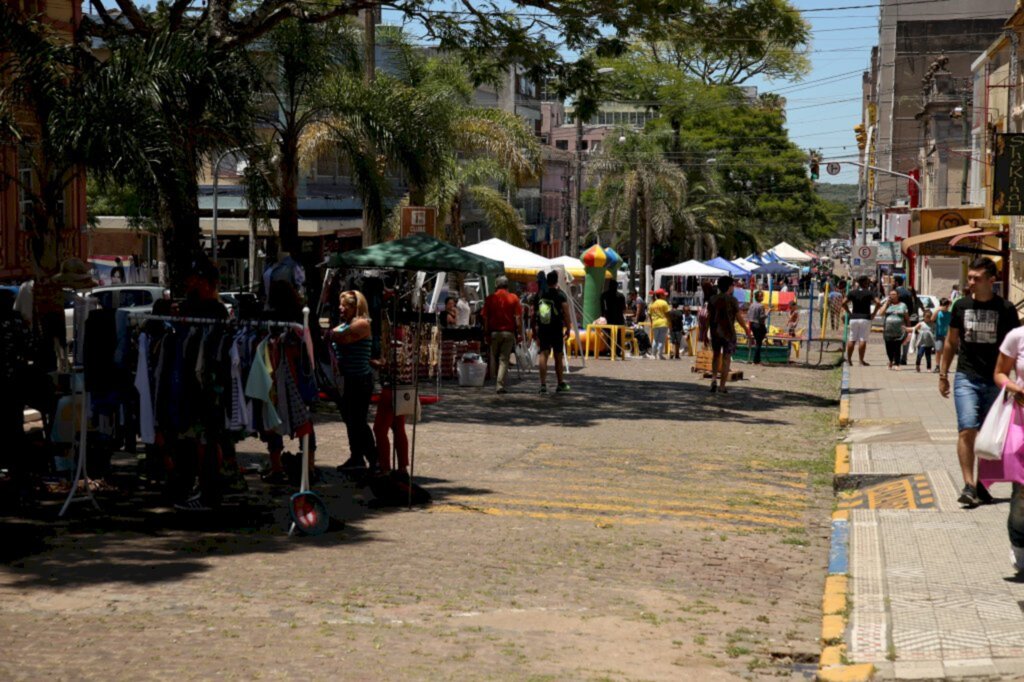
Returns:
point(973, 396)
point(660, 337)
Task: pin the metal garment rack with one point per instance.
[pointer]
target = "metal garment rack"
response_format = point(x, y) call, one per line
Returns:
point(81, 473)
point(262, 324)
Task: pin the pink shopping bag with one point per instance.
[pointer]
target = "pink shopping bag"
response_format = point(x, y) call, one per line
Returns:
point(1011, 467)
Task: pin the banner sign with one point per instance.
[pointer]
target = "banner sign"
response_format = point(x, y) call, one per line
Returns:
point(1008, 175)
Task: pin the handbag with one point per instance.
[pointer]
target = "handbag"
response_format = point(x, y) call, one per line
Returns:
point(992, 436)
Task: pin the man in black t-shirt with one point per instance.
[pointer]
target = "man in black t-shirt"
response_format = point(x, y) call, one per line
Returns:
point(978, 323)
point(551, 327)
point(858, 306)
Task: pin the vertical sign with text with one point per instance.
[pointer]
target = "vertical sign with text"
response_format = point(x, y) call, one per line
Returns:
point(1008, 175)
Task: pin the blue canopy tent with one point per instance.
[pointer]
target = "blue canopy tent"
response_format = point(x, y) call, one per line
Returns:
point(774, 269)
point(756, 259)
point(722, 264)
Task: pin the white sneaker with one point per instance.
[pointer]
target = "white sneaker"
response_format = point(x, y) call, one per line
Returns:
point(1017, 558)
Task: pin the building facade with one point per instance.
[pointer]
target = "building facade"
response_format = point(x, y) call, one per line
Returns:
point(17, 162)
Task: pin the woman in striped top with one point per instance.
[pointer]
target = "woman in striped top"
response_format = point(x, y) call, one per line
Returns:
point(352, 341)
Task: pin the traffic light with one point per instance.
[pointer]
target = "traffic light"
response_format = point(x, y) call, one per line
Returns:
point(814, 169)
point(862, 136)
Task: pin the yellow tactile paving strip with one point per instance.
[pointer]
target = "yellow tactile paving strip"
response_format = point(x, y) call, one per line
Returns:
point(909, 492)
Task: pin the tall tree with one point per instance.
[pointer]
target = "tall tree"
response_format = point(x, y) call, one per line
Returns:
point(640, 197)
point(293, 62)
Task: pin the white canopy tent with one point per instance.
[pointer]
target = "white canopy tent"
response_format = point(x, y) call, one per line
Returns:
point(790, 253)
point(745, 264)
point(514, 258)
point(691, 268)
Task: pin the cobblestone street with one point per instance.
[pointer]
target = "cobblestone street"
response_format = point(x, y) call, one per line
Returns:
point(637, 528)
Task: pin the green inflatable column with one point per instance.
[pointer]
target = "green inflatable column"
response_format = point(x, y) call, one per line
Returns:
point(594, 261)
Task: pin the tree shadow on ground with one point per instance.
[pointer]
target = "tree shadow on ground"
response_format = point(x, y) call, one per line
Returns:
point(136, 538)
point(594, 399)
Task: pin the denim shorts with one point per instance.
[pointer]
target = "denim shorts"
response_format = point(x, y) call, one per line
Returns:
point(973, 398)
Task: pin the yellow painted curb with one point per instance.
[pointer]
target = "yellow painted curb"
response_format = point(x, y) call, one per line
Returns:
point(833, 604)
point(832, 655)
point(841, 515)
point(844, 412)
point(842, 457)
point(847, 673)
point(832, 628)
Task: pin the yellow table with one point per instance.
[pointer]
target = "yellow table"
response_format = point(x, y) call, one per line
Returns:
point(615, 331)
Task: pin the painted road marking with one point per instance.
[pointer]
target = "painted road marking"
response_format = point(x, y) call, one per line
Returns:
point(908, 492)
point(633, 487)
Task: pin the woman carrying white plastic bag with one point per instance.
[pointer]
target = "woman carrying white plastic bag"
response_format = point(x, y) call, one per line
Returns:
point(1011, 468)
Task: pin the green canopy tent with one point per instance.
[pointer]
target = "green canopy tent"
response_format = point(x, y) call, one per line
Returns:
point(418, 252)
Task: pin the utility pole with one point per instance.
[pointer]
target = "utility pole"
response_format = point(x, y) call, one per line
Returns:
point(965, 122)
point(577, 202)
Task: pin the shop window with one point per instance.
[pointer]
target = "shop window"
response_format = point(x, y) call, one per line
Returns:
point(327, 165)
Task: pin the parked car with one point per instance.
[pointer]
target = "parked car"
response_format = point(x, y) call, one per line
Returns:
point(138, 297)
point(236, 300)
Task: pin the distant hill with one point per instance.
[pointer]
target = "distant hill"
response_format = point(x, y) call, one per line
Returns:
point(847, 195)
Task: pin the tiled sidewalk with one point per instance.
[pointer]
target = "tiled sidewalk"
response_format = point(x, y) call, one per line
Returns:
point(933, 592)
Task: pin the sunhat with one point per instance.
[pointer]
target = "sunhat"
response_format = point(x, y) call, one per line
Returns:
point(75, 274)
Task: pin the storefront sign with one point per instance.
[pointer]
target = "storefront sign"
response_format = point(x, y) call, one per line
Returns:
point(889, 253)
point(1008, 175)
point(928, 220)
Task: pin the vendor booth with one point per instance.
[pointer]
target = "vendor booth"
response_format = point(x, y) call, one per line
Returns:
point(790, 254)
point(520, 265)
point(691, 268)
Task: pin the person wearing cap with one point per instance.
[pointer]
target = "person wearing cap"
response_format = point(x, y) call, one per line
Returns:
point(660, 324)
point(723, 314)
point(503, 323)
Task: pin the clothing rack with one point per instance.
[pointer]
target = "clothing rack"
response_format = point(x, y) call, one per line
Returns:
point(237, 323)
point(304, 486)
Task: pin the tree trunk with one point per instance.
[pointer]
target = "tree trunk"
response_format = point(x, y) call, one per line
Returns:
point(633, 219)
point(182, 236)
point(457, 238)
point(642, 213)
point(288, 208)
point(647, 242)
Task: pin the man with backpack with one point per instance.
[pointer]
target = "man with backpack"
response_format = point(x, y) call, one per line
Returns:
point(551, 327)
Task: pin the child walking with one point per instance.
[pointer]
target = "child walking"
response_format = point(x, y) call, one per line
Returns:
point(924, 338)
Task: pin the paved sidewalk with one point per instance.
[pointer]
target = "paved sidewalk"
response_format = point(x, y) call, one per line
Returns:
point(933, 592)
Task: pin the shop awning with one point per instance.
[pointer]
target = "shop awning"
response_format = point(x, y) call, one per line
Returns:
point(938, 235)
point(977, 234)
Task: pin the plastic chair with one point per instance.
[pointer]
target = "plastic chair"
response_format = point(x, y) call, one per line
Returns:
point(629, 338)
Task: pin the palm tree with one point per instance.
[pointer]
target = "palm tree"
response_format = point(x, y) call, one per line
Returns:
point(468, 155)
point(637, 187)
point(495, 150)
point(152, 113)
point(292, 64)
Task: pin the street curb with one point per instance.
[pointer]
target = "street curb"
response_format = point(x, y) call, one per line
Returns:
point(835, 605)
point(844, 398)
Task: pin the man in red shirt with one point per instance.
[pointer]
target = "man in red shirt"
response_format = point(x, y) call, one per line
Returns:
point(503, 324)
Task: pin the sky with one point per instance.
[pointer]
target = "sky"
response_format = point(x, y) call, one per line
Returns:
point(823, 108)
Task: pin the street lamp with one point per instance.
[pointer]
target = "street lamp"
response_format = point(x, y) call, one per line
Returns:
point(216, 177)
